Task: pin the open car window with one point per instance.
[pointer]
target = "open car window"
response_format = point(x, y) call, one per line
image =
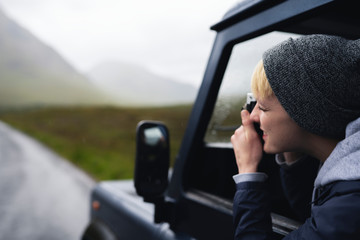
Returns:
point(236, 84)
point(212, 171)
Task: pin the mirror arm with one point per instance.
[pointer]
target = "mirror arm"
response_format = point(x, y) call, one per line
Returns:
point(164, 211)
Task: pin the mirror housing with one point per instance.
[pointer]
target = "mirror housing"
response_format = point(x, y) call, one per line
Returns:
point(152, 160)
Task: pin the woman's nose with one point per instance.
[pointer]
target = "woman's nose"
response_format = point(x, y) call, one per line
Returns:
point(254, 116)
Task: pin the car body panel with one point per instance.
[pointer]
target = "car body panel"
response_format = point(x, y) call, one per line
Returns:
point(191, 213)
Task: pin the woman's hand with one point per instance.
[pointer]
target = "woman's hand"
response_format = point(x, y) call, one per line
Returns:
point(247, 145)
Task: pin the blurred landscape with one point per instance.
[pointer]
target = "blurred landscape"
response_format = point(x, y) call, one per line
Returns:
point(88, 118)
point(100, 140)
point(33, 73)
point(131, 85)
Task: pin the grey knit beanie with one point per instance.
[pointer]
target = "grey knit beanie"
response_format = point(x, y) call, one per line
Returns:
point(317, 80)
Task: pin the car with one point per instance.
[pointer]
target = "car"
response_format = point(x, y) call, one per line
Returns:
point(193, 200)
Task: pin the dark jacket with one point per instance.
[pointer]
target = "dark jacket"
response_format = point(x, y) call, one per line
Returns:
point(335, 211)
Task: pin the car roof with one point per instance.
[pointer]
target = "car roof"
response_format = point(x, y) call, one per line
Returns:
point(242, 9)
point(322, 16)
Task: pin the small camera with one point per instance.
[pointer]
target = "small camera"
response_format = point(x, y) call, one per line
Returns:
point(250, 102)
point(249, 105)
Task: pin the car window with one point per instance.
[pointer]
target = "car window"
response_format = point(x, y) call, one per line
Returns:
point(236, 84)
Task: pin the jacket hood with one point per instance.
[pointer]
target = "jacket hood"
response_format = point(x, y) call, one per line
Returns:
point(344, 161)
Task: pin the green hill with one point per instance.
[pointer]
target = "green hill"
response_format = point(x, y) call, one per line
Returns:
point(32, 73)
point(100, 140)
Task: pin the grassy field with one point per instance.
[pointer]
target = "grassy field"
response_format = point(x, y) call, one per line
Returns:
point(100, 140)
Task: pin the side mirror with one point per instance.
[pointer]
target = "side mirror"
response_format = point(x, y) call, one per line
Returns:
point(152, 160)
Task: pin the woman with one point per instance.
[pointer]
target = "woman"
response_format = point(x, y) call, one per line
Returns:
point(308, 92)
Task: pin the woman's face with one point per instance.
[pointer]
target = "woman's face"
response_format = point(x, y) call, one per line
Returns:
point(281, 133)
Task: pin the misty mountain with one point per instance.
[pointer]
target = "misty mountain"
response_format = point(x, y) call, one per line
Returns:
point(134, 85)
point(31, 72)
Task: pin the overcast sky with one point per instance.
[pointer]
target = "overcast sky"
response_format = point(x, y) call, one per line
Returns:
point(169, 37)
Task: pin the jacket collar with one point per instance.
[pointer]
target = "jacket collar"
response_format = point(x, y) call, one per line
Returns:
point(344, 161)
